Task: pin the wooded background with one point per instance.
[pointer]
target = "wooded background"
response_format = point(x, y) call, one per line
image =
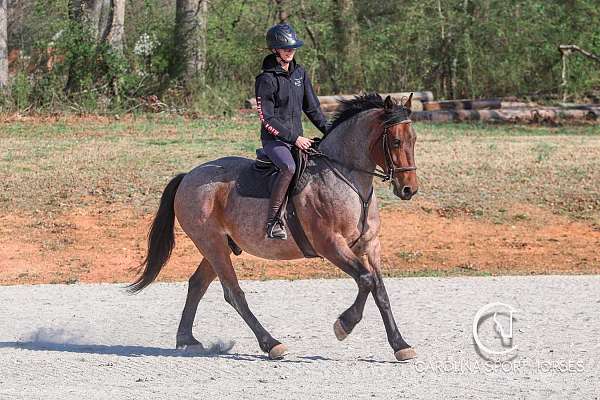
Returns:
point(200, 55)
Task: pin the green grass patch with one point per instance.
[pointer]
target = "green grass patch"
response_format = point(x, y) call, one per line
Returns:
point(435, 273)
point(474, 169)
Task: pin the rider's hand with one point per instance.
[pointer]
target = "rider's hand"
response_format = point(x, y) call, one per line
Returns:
point(303, 143)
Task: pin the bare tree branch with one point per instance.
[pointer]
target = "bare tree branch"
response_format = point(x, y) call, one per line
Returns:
point(568, 48)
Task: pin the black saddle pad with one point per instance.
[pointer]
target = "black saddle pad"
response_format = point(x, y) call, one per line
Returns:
point(257, 179)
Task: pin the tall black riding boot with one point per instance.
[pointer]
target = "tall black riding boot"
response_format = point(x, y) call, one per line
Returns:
point(275, 227)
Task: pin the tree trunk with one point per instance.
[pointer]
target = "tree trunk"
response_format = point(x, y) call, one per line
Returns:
point(190, 35)
point(3, 43)
point(443, 65)
point(103, 20)
point(348, 46)
point(282, 11)
point(95, 15)
point(324, 61)
point(117, 27)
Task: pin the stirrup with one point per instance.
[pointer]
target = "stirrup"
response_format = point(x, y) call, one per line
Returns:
point(276, 230)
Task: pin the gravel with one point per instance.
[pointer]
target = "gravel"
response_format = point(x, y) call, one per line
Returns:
point(97, 342)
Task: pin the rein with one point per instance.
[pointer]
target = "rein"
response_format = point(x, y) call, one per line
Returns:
point(390, 168)
point(383, 174)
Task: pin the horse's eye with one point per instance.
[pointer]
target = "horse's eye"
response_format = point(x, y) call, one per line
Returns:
point(396, 143)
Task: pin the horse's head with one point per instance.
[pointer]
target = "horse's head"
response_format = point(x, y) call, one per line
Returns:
point(393, 148)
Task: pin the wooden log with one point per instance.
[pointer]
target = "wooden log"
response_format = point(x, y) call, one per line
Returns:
point(422, 96)
point(416, 105)
point(489, 104)
point(513, 115)
point(329, 108)
point(417, 96)
point(575, 106)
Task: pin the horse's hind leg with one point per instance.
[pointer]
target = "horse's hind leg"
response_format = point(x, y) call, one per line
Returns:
point(217, 252)
point(235, 296)
point(198, 284)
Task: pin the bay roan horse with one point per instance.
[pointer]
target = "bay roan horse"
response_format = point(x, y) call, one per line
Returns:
point(337, 210)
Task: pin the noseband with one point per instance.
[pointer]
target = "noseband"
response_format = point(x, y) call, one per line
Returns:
point(390, 168)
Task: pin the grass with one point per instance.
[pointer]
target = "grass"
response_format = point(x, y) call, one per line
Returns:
point(476, 169)
point(435, 273)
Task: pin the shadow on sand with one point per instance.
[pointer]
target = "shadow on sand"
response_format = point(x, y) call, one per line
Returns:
point(217, 350)
point(64, 341)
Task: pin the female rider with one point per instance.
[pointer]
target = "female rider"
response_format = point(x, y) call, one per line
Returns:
point(283, 92)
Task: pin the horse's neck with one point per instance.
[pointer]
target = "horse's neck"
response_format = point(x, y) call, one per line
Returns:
point(349, 144)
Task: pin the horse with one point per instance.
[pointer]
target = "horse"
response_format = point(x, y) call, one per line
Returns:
point(337, 210)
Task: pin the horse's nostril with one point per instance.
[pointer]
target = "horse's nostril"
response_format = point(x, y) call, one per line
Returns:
point(407, 191)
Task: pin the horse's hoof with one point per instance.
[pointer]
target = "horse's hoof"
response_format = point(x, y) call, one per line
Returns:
point(405, 354)
point(185, 341)
point(340, 333)
point(193, 348)
point(278, 351)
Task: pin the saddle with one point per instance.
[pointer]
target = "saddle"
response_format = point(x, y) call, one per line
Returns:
point(257, 180)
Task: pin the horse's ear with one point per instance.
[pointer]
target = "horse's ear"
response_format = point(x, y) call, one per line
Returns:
point(408, 102)
point(388, 103)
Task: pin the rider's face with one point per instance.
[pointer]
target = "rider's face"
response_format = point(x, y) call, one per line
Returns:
point(285, 54)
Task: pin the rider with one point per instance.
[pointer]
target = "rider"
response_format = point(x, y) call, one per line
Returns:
point(283, 92)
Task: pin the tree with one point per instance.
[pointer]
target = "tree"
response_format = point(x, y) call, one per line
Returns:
point(117, 27)
point(3, 43)
point(348, 46)
point(104, 19)
point(94, 15)
point(189, 62)
point(97, 22)
point(282, 11)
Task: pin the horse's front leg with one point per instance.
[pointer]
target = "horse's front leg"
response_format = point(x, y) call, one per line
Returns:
point(402, 350)
point(337, 251)
point(346, 322)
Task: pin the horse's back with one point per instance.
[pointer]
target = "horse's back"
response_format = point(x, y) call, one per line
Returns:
point(206, 185)
point(223, 169)
point(209, 208)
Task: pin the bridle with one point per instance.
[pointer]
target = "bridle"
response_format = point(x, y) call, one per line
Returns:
point(388, 174)
point(390, 168)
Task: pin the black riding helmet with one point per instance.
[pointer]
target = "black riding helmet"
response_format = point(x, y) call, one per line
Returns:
point(282, 36)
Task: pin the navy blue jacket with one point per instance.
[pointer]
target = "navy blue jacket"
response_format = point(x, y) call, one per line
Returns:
point(281, 97)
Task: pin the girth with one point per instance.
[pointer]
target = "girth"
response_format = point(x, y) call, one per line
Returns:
point(297, 231)
point(290, 214)
point(263, 172)
point(295, 225)
point(364, 214)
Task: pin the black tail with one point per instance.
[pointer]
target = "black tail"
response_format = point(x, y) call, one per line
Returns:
point(161, 238)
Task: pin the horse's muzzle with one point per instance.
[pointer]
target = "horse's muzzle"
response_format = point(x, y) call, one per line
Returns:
point(406, 193)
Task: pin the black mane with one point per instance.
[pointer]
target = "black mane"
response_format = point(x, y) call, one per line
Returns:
point(352, 107)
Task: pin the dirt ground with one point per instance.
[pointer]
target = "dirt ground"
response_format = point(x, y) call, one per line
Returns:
point(105, 244)
point(88, 222)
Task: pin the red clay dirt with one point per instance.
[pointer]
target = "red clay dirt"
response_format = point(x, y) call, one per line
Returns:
point(106, 245)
